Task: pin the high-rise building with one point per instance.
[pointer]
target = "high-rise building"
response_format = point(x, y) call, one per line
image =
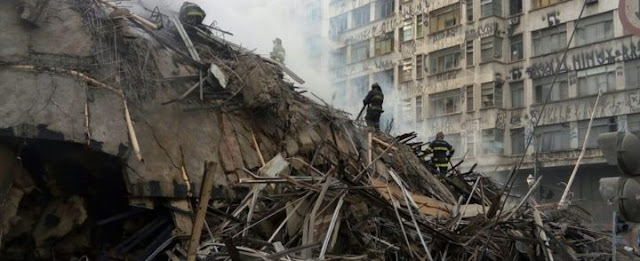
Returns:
point(481, 70)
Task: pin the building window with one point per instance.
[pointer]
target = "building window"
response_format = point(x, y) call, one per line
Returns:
point(444, 18)
point(341, 91)
point(517, 49)
point(599, 126)
point(405, 112)
point(418, 108)
point(632, 74)
point(491, 47)
point(338, 24)
point(469, 97)
point(553, 137)
point(339, 57)
point(383, 44)
point(360, 51)
point(469, 10)
point(601, 78)
point(384, 79)
point(445, 103)
point(517, 94)
point(406, 32)
point(490, 8)
point(491, 95)
point(360, 86)
point(361, 16)
point(595, 29)
point(420, 66)
point(406, 70)
point(419, 26)
point(471, 143)
point(445, 60)
point(455, 140)
point(517, 141)
point(549, 40)
point(493, 142)
point(314, 46)
point(515, 7)
point(633, 124)
point(542, 86)
point(469, 53)
point(384, 8)
point(544, 3)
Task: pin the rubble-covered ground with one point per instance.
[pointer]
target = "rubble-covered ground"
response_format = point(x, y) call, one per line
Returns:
point(116, 143)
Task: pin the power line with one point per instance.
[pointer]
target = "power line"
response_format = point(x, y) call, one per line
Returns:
point(514, 172)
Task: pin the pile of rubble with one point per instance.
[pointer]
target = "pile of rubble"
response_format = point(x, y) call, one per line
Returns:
point(250, 168)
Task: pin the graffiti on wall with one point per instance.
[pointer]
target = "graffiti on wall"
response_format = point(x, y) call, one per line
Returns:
point(342, 6)
point(379, 63)
point(481, 31)
point(375, 30)
point(517, 118)
point(408, 49)
point(437, 4)
point(500, 120)
point(419, 8)
point(442, 77)
point(610, 104)
point(584, 59)
point(444, 35)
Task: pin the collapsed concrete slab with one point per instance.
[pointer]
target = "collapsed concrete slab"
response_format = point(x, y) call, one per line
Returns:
point(109, 130)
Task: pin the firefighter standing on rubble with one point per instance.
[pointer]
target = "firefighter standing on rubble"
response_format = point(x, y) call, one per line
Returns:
point(374, 101)
point(442, 152)
point(278, 52)
point(192, 14)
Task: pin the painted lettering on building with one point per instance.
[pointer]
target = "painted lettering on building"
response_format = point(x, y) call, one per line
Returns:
point(342, 6)
point(409, 11)
point(378, 63)
point(481, 31)
point(585, 59)
point(444, 34)
point(437, 4)
point(375, 30)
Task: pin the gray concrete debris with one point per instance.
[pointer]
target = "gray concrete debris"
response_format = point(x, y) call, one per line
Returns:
point(72, 184)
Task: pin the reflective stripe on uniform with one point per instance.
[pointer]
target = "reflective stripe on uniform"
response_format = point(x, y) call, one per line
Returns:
point(195, 13)
point(442, 165)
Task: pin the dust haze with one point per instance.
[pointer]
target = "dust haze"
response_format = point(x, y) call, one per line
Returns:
point(256, 23)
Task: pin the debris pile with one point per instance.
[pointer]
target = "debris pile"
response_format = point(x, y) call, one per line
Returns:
point(246, 167)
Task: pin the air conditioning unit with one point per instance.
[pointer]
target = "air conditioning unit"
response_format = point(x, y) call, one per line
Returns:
point(515, 20)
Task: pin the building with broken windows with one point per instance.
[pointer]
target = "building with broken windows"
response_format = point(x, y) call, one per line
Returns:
point(480, 71)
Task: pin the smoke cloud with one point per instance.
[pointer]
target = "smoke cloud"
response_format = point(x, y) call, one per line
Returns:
point(256, 23)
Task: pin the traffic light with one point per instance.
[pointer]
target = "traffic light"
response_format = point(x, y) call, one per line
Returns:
point(622, 149)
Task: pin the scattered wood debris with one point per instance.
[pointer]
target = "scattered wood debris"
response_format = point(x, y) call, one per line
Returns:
point(291, 179)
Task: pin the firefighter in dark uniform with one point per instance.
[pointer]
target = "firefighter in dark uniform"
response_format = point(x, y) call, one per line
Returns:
point(374, 101)
point(192, 14)
point(442, 152)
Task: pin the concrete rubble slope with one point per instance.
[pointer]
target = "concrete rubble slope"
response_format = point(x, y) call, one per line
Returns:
point(116, 143)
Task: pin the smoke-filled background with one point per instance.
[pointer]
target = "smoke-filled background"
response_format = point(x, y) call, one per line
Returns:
point(304, 33)
point(256, 23)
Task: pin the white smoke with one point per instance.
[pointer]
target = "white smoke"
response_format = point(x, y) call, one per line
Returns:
point(256, 23)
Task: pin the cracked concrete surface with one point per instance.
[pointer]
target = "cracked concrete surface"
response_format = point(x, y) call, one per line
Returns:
point(61, 26)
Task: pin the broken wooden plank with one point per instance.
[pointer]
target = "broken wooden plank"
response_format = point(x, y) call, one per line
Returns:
point(182, 215)
point(232, 143)
point(205, 195)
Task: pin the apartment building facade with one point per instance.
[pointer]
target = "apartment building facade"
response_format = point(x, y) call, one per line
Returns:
point(480, 71)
